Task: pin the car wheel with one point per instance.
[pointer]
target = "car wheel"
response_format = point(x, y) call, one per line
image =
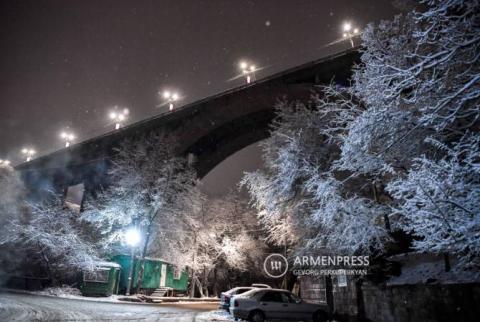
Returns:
point(320, 316)
point(257, 316)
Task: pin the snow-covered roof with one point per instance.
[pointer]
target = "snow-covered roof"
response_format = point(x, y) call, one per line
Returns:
point(107, 264)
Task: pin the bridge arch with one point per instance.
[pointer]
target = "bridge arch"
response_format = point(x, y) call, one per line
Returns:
point(212, 129)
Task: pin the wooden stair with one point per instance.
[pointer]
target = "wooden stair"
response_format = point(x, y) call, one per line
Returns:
point(162, 292)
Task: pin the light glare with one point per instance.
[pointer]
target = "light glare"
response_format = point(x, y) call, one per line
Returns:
point(132, 237)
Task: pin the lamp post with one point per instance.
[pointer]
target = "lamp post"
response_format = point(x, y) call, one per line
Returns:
point(349, 32)
point(119, 116)
point(29, 153)
point(171, 98)
point(248, 71)
point(68, 137)
point(132, 238)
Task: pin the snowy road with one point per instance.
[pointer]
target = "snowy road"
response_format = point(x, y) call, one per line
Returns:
point(24, 307)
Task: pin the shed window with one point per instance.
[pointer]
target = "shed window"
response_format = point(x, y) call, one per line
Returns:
point(98, 275)
point(177, 273)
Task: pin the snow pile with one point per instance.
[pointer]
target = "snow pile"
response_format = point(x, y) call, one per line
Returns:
point(63, 291)
point(215, 316)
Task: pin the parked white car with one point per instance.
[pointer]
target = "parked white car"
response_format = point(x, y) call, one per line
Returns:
point(225, 297)
point(259, 305)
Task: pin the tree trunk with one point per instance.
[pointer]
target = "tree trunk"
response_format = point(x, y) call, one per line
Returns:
point(385, 216)
point(196, 283)
point(142, 260)
point(47, 266)
point(192, 284)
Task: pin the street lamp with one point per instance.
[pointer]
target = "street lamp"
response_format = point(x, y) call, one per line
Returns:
point(248, 71)
point(29, 153)
point(119, 116)
point(68, 137)
point(170, 98)
point(132, 238)
point(4, 162)
point(349, 32)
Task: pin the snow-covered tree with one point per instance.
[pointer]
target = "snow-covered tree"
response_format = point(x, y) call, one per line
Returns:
point(419, 82)
point(52, 236)
point(300, 199)
point(327, 165)
point(223, 239)
point(152, 189)
point(11, 196)
point(440, 200)
point(12, 208)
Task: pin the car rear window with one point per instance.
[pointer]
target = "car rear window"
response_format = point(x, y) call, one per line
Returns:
point(243, 290)
point(250, 293)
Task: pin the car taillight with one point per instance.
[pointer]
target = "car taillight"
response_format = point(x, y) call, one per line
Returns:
point(235, 303)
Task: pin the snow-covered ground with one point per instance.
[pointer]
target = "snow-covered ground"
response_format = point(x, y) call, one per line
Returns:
point(29, 307)
point(219, 315)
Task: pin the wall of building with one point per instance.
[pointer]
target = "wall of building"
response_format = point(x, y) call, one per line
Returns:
point(345, 297)
point(396, 303)
point(420, 302)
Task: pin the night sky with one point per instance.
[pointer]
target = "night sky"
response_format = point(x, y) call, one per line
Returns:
point(67, 63)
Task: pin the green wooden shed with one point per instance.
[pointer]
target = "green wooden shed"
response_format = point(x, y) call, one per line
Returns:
point(158, 274)
point(102, 281)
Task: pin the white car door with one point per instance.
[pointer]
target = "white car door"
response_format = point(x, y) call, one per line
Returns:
point(272, 304)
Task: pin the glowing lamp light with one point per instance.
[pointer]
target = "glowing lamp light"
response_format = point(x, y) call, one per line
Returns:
point(247, 70)
point(132, 237)
point(170, 97)
point(347, 26)
point(118, 116)
point(349, 32)
point(29, 153)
